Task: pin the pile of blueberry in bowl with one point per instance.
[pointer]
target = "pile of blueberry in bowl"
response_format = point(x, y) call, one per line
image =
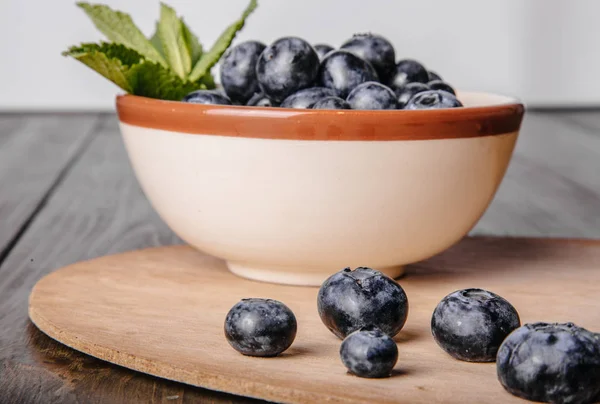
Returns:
point(291, 73)
point(543, 362)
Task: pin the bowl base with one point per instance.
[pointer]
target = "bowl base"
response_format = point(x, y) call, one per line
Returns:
point(297, 276)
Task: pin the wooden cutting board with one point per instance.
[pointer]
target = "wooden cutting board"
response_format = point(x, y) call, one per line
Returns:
point(161, 311)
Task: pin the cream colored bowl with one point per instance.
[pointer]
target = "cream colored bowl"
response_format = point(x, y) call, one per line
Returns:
point(292, 196)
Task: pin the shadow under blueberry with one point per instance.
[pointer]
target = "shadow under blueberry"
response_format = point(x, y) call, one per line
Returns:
point(407, 336)
point(295, 352)
point(400, 372)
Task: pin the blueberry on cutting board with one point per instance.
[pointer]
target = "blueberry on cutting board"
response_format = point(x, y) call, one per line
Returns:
point(470, 324)
point(553, 363)
point(369, 352)
point(260, 327)
point(350, 300)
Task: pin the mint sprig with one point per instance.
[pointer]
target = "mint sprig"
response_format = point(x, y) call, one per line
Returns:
point(130, 71)
point(168, 65)
point(119, 28)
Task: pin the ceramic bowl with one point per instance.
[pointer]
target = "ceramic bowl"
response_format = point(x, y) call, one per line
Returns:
point(292, 196)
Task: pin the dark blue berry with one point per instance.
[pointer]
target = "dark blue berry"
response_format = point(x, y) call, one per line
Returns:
point(349, 300)
point(369, 352)
point(471, 324)
point(260, 327)
point(261, 100)
point(322, 50)
point(342, 71)
point(238, 70)
point(331, 103)
point(307, 97)
point(441, 85)
point(406, 92)
point(409, 71)
point(553, 363)
point(434, 76)
point(372, 95)
point(207, 97)
point(433, 99)
point(288, 65)
point(376, 50)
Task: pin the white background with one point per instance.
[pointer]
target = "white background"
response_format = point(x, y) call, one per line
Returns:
point(547, 52)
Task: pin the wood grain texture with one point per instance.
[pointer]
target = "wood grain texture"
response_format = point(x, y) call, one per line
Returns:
point(98, 307)
point(552, 186)
point(588, 121)
point(33, 155)
point(98, 209)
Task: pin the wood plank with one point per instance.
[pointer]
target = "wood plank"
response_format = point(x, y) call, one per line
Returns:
point(97, 209)
point(587, 120)
point(552, 186)
point(35, 152)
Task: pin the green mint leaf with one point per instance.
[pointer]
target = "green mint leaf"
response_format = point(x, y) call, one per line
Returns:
point(154, 81)
point(129, 70)
point(210, 58)
point(207, 80)
point(119, 28)
point(173, 40)
point(155, 41)
point(110, 60)
point(192, 42)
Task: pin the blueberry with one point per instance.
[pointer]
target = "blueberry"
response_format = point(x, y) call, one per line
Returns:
point(238, 70)
point(261, 100)
point(409, 71)
point(376, 50)
point(331, 103)
point(471, 324)
point(372, 95)
point(307, 97)
point(433, 99)
point(342, 71)
point(349, 300)
point(322, 50)
point(405, 93)
point(369, 352)
point(260, 327)
point(206, 97)
point(554, 363)
point(433, 76)
point(288, 65)
point(441, 85)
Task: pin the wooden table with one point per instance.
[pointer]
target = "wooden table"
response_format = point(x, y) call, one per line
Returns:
point(67, 193)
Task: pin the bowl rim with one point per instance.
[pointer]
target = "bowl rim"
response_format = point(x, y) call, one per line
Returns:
point(494, 118)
